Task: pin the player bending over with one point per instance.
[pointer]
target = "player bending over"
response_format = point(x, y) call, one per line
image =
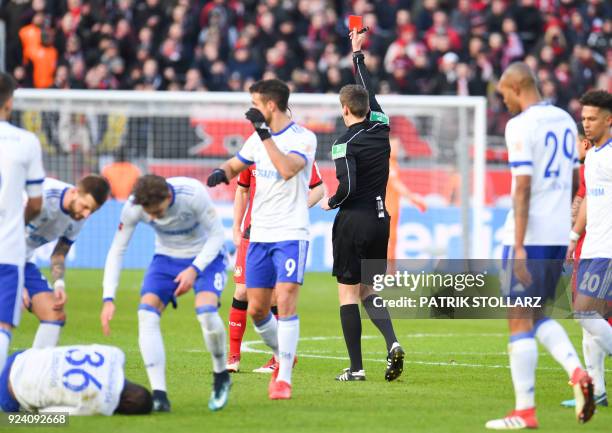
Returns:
point(541, 142)
point(284, 153)
point(189, 252)
point(79, 380)
point(65, 209)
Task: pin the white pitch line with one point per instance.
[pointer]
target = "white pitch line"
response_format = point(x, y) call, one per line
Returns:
point(247, 347)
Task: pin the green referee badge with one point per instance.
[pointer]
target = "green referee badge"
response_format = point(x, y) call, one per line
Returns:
point(377, 116)
point(339, 150)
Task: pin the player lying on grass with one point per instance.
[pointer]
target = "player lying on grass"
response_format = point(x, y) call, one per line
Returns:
point(241, 232)
point(284, 153)
point(65, 209)
point(189, 253)
point(79, 380)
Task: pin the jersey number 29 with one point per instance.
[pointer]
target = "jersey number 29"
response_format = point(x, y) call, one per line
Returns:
point(569, 144)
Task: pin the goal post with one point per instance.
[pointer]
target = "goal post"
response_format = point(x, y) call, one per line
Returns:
point(441, 142)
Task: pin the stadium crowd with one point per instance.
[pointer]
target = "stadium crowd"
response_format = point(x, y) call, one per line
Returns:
point(442, 47)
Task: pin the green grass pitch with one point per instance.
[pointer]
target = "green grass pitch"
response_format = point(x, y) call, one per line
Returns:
point(455, 377)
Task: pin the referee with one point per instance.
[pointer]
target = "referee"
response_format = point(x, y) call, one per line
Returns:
point(361, 227)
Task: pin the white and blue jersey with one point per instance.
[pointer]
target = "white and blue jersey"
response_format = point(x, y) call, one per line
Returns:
point(279, 219)
point(54, 221)
point(280, 207)
point(80, 380)
point(541, 143)
point(189, 234)
point(21, 170)
point(595, 269)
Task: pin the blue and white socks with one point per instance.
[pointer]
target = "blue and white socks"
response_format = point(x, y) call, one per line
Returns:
point(554, 338)
point(214, 335)
point(523, 352)
point(5, 342)
point(594, 359)
point(288, 336)
point(152, 346)
point(48, 334)
point(268, 331)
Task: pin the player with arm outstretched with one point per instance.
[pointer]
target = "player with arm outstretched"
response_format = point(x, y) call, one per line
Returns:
point(77, 380)
point(241, 232)
point(21, 170)
point(189, 253)
point(541, 141)
point(65, 209)
point(283, 152)
point(361, 227)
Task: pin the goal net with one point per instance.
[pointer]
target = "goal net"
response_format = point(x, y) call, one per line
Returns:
point(440, 144)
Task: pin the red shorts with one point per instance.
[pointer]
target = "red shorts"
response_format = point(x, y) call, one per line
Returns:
point(239, 270)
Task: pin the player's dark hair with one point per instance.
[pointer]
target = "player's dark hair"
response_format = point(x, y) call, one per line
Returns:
point(134, 400)
point(356, 98)
point(272, 90)
point(97, 186)
point(580, 129)
point(150, 190)
point(7, 87)
point(597, 98)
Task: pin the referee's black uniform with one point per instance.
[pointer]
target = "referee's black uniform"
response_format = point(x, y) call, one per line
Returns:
point(361, 155)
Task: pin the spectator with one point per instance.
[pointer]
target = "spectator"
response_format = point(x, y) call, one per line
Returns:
point(43, 59)
point(431, 46)
point(121, 175)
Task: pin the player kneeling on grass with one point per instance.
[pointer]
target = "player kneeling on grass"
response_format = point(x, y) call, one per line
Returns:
point(189, 252)
point(78, 380)
point(64, 211)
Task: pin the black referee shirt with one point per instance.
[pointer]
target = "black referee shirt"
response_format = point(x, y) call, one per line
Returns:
point(362, 154)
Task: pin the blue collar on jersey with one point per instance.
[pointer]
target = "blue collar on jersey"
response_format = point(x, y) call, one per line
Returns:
point(61, 203)
point(284, 129)
point(604, 145)
point(173, 194)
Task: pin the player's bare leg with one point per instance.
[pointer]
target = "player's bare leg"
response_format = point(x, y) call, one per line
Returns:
point(152, 348)
point(44, 306)
point(206, 306)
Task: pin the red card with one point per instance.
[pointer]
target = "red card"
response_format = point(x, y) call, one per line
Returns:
point(355, 22)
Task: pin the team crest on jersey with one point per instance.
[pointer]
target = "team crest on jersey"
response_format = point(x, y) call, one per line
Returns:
point(120, 227)
point(238, 271)
point(185, 216)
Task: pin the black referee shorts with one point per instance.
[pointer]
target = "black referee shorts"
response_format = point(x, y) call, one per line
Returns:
point(359, 234)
